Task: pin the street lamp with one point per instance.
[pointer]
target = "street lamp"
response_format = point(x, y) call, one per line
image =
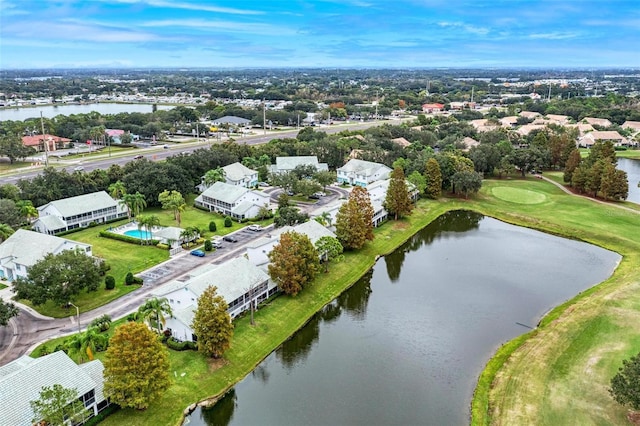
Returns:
point(78, 314)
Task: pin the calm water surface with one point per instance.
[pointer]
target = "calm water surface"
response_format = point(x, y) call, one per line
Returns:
point(406, 344)
point(50, 111)
point(632, 167)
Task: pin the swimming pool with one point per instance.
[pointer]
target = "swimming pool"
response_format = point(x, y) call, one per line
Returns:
point(139, 234)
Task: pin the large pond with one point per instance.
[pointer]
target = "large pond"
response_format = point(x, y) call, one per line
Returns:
point(406, 344)
point(632, 167)
point(50, 111)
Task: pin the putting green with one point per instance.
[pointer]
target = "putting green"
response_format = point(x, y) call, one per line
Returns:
point(516, 195)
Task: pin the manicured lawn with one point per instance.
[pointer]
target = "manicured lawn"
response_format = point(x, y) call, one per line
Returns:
point(3, 286)
point(630, 153)
point(124, 257)
point(557, 374)
point(8, 167)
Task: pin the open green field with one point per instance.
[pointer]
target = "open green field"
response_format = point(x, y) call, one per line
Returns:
point(630, 153)
point(124, 257)
point(560, 369)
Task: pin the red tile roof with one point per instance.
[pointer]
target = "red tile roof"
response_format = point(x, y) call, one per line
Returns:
point(36, 140)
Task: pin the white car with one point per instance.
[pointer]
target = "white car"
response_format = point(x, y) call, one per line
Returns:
point(255, 228)
point(78, 168)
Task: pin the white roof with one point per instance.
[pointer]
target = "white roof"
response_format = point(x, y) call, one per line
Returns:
point(225, 192)
point(231, 119)
point(290, 163)
point(82, 203)
point(237, 171)
point(362, 167)
point(169, 233)
point(22, 380)
point(232, 278)
point(52, 222)
point(28, 247)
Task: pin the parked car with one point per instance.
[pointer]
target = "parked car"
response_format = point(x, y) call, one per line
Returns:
point(263, 184)
point(216, 244)
point(137, 157)
point(198, 253)
point(314, 196)
point(230, 238)
point(78, 168)
point(255, 228)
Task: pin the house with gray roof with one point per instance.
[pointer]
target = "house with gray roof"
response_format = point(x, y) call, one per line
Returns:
point(235, 201)
point(287, 164)
point(362, 173)
point(235, 174)
point(231, 120)
point(78, 212)
point(258, 250)
point(238, 281)
point(22, 380)
point(25, 248)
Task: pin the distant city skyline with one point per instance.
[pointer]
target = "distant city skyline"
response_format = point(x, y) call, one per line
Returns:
point(319, 33)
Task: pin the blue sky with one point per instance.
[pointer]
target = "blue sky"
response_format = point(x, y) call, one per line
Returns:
point(319, 33)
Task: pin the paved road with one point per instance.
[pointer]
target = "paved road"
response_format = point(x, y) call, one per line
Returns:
point(158, 153)
point(30, 329)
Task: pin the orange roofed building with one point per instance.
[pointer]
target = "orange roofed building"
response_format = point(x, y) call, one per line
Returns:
point(37, 142)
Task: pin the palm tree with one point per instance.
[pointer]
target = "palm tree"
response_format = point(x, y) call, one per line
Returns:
point(155, 308)
point(26, 209)
point(187, 235)
point(149, 222)
point(138, 203)
point(178, 210)
point(5, 231)
point(87, 342)
point(213, 176)
point(117, 190)
point(324, 219)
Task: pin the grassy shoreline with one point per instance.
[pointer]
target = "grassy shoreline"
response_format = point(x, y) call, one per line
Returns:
point(557, 213)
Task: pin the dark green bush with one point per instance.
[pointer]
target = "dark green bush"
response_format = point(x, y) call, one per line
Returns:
point(180, 346)
point(102, 323)
point(132, 317)
point(227, 222)
point(126, 238)
point(212, 226)
point(128, 280)
point(109, 282)
point(208, 246)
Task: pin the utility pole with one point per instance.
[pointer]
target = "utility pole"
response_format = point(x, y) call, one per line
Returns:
point(45, 143)
point(377, 101)
point(78, 314)
point(264, 116)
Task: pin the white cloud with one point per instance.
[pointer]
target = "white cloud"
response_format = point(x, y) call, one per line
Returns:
point(191, 6)
point(466, 27)
point(229, 26)
point(553, 36)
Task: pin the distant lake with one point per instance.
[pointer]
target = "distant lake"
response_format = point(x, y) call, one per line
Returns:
point(632, 167)
point(50, 111)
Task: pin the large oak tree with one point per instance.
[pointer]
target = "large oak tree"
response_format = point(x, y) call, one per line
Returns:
point(136, 367)
point(354, 221)
point(212, 324)
point(294, 262)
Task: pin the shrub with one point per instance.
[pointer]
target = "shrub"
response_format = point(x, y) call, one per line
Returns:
point(103, 267)
point(227, 222)
point(102, 323)
point(208, 246)
point(212, 226)
point(132, 317)
point(128, 280)
point(126, 238)
point(138, 280)
point(109, 282)
point(163, 246)
point(200, 240)
point(180, 346)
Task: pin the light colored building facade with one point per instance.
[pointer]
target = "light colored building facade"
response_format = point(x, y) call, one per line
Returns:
point(258, 250)
point(22, 380)
point(361, 173)
point(604, 136)
point(287, 164)
point(78, 212)
point(235, 174)
point(238, 281)
point(25, 248)
point(235, 201)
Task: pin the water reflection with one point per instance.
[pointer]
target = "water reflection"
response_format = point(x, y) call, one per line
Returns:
point(222, 413)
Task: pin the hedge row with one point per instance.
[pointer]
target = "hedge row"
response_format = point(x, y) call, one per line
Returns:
point(126, 238)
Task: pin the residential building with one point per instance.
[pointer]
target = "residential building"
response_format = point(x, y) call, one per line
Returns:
point(38, 142)
point(432, 108)
point(510, 121)
point(361, 172)
point(115, 135)
point(287, 164)
point(78, 212)
point(233, 121)
point(605, 136)
point(469, 143)
point(22, 380)
point(401, 142)
point(602, 122)
point(633, 125)
point(531, 115)
point(258, 250)
point(238, 281)
point(25, 248)
point(558, 119)
point(235, 174)
point(233, 200)
point(378, 193)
